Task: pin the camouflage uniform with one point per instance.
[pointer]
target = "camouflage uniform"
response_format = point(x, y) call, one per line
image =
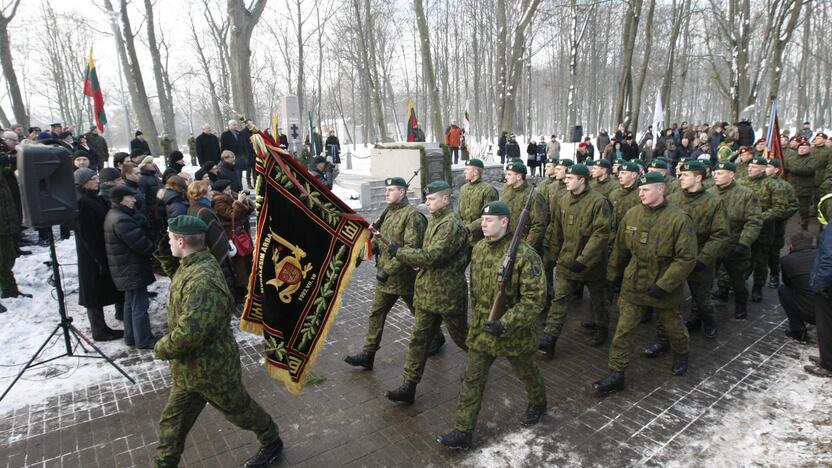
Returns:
point(9, 224)
point(405, 226)
point(525, 296)
point(552, 192)
point(800, 172)
point(605, 187)
point(473, 196)
point(441, 290)
point(581, 233)
point(204, 358)
point(742, 169)
point(780, 226)
point(652, 246)
point(671, 185)
point(622, 199)
point(745, 223)
point(192, 150)
point(823, 158)
point(515, 198)
point(774, 207)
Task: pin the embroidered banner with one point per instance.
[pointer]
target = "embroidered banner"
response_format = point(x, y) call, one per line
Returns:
point(306, 248)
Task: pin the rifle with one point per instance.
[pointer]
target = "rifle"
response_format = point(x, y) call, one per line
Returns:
point(375, 227)
point(507, 268)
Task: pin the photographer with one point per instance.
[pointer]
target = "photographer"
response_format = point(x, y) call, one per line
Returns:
point(9, 226)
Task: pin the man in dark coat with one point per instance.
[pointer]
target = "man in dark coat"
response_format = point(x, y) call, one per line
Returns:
point(139, 143)
point(229, 172)
point(630, 148)
point(821, 283)
point(99, 145)
point(128, 254)
point(333, 148)
point(796, 295)
point(95, 285)
point(237, 141)
point(207, 146)
point(176, 162)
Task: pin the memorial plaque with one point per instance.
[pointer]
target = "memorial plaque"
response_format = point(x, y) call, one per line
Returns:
point(435, 167)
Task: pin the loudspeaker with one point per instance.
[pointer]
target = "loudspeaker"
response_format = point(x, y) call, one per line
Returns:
point(47, 185)
point(577, 133)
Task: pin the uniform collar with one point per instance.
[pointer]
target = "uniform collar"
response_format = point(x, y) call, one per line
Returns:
point(195, 257)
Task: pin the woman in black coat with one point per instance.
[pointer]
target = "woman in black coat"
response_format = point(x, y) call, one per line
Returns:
point(95, 284)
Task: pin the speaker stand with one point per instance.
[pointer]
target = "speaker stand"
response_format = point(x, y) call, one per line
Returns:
point(68, 330)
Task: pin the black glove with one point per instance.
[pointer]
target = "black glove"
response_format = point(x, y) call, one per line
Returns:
point(699, 267)
point(575, 266)
point(382, 276)
point(739, 250)
point(656, 292)
point(494, 327)
point(163, 247)
point(393, 249)
point(375, 249)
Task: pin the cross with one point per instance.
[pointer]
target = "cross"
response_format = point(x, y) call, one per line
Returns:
point(294, 128)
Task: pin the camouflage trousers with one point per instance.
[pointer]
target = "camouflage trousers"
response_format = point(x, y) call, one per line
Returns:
point(565, 291)
point(736, 271)
point(629, 318)
point(184, 406)
point(425, 328)
point(476, 375)
point(7, 258)
point(701, 307)
point(550, 281)
point(382, 303)
point(806, 208)
point(761, 259)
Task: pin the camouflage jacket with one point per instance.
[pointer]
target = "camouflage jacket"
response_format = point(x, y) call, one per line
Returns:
point(405, 226)
point(515, 198)
point(710, 219)
point(724, 151)
point(671, 185)
point(708, 182)
point(823, 158)
point(774, 205)
point(653, 245)
point(440, 282)
point(545, 186)
point(525, 298)
point(800, 172)
point(9, 219)
point(199, 343)
point(622, 199)
point(744, 214)
point(581, 233)
point(604, 187)
point(742, 170)
point(554, 191)
point(473, 196)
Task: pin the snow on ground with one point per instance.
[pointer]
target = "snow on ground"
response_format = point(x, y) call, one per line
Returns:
point(522, 448)
point(28, 322)
point(350, 197)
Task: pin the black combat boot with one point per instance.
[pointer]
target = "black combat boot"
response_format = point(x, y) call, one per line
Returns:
point(757, 293)
point(599, 337)
point(363, 359)
point(774, 281)
point(266, 455)
point(588, 326)
point(694, 324)
point(547, 345)
point(648, 316)
point(656, 349)
point(801, 336)
point(533, 415)
point(721, 294)
point(680, 364)
point(2, 308)
point(15, 293)
point(613, 382)
point(436, 344)
point(710, 328)
point(406, 393)
point(456, 439)
point(740, 311)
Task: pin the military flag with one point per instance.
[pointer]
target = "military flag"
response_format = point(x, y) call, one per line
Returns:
point(306, 248)
point(93, 90)
point(411, 120)
point(773, 148)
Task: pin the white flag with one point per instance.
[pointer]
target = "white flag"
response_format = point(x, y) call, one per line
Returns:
point(658, 114)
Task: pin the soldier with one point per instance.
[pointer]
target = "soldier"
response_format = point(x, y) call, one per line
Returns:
point(473, 196)
point(774, 207)
point(654, 252)
point(745, 222)
point(514, 194)
point(744, 156)
point(405, 226)
point(551, 188)
point(800, 172)
point(671, 183)
point(626, 196)
point(602, 181)
point(513, 336)
point(580, 239)
point(773, 171)
point(203, 355)
point(760, 147)
point(710, 219)
point(192, 149)
point(823, 157)
point(441, 291)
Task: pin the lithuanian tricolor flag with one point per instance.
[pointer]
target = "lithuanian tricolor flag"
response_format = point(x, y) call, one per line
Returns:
point(411, 120)
point(93, 90)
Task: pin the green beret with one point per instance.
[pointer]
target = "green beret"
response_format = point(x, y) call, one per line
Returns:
point(496, 208)
point(187, 225)
point(693, 166)
point(628, 166)
point(774, 162)
point(759, 161)
point(517, 167)
point(565, 162)
point(641, 163)
point(661, 158)
point(436, 186)
point(551, 160)
point(726, 165)
point(475, 163)
point(578, 170)
point(658, 164)
point(515, 160)
point(396, 182)
point(603, 163)
point(651, 178)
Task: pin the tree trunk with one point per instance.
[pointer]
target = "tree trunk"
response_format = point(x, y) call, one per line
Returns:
point(648, 47)
point(242, 21)
point(515, 62)
point(428, 73)
point(165, 99)
point(667, 79)
point(206, 70)
point(18, 107)
point(802, 113)
point(781, 36)
point(375, 83)
point(625, 80)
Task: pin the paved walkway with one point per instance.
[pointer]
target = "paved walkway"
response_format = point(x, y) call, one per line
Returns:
point(344, 420)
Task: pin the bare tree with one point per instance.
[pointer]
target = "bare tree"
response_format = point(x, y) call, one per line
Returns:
point(623, 100)
point(160, 75)
point(242, 20)
point(509, 75)
point(648, 48)
point(427, 70)
point(18, 107)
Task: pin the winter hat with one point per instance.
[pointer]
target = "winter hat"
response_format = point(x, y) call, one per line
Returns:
point(208, 166)
point(174, 157)
point(138, 132)
point(83, 175)
point(496, 208)
point(436, 186)
point(109, 174)
point(187, 225)
point(120, 191)
point(220, 185)
point(200, 174)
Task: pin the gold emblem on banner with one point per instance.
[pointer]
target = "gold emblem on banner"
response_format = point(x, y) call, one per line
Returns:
point(289, 271)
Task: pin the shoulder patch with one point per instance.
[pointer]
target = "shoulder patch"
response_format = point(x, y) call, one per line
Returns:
point(536, 269)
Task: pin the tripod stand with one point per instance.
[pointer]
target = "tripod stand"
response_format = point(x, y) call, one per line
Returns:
point(67, 328)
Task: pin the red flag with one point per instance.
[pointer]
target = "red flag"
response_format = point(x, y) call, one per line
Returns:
point(93, 90)
point(773, 147)
point(411, 120)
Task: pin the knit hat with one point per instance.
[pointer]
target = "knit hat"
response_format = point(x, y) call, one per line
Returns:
point(208, 166)
point(475, 163)
point(496, 208)
point(120, 191)
point(138, 132)
point(395, 182)
point(759, 161)
point(693, 166)
point(565, 162)
point(651, 178)
point(628, 166)
point(436, 186)
point(199, 174)
point(578, 170)
point(109, 174)
point(726, 165)
point(83, 175)
point(187, 225)
point(220, 184)
point(517, 167)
